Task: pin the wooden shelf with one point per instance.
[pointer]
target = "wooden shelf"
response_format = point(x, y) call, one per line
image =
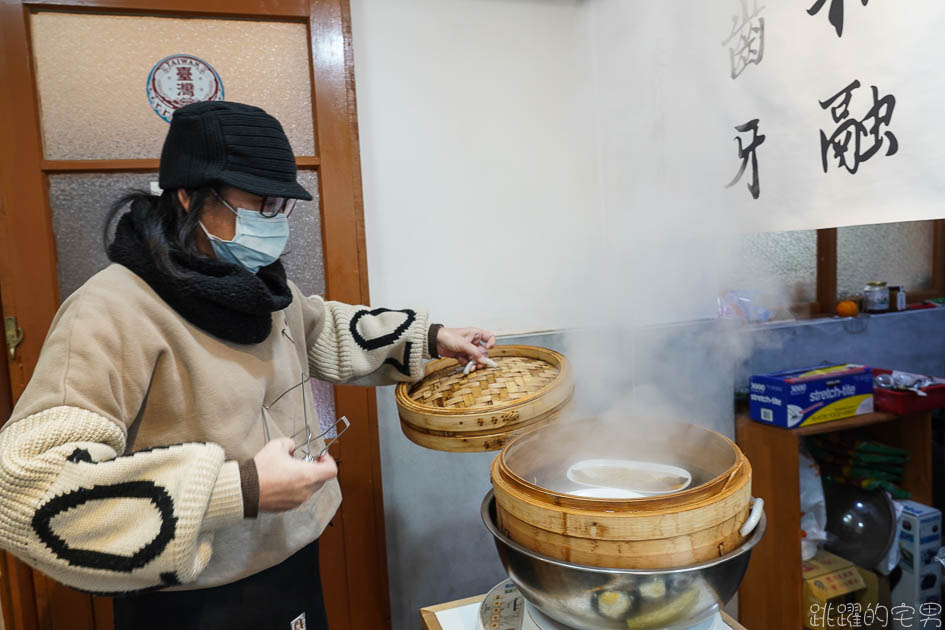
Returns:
point(847, 423)
point(770, 595)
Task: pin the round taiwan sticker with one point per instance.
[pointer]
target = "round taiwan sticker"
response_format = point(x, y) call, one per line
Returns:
point(180, 80)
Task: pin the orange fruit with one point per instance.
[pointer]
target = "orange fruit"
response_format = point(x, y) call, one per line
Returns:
point(847, 308)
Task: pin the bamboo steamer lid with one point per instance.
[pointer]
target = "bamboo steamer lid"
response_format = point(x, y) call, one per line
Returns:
point(449, 411)
point(476, 441)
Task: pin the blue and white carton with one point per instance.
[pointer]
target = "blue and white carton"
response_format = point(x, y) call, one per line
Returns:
point(812, 395)
point(919, 590)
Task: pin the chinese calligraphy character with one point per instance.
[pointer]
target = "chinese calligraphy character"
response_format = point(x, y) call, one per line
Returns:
point(854, 615)
point(903, 615)
point(746, 153)
point(183, 73)
point(835, 14)
point(839, 619)
point(746, 42)
point(931, 613)
point(878, 615)
point(842, 109)
point(847, 140)
point(817, 616)
point(185, 89)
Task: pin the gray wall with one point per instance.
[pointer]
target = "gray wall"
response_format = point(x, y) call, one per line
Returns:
point(912, 341)
point(438, 549)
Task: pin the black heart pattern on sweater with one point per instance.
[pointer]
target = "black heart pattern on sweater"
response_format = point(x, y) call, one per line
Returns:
point(384, 340)
point(404, 366)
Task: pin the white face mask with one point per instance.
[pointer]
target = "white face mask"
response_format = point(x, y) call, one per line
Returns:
point(258, 242)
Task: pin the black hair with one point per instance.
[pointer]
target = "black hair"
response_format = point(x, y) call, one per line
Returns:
point(167, 228)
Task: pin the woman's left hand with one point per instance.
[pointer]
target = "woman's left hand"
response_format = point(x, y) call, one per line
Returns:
point(465, 344)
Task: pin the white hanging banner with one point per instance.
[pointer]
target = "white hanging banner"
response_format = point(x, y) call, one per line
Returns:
point(771, 115)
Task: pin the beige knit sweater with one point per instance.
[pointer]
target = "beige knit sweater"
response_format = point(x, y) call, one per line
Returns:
point(118, 467)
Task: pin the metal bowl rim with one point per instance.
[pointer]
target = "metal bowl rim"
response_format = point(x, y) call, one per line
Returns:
point(746, 547)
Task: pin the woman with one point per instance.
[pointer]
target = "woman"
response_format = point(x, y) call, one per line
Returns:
point(153, 447)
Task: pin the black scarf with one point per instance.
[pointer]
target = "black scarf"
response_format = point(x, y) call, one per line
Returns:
point(223, 299)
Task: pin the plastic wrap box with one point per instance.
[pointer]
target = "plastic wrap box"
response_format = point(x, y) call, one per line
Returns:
point(806, 396)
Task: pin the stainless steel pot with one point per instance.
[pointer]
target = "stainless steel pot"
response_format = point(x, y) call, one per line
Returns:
point(593, 598)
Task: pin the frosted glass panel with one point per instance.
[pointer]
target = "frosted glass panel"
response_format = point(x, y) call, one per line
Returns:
point(79, 205)
point(80, 202)
point(92, 71)
point(783, 264)
point(304, 258)
point(899, 253)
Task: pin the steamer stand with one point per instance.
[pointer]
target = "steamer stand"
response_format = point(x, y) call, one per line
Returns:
point(504, 608)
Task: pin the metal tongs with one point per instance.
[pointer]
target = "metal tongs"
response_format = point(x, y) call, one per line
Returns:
point(307, 430)
point(489, 362)
point(309, 438)
point(905, 381)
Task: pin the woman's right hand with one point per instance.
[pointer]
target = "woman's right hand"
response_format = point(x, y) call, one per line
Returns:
point(285, 482)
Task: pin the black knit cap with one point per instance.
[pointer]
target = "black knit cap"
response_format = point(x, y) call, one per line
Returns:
point(218, 142)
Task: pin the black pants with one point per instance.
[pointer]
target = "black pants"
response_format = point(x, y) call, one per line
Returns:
point(270, 599)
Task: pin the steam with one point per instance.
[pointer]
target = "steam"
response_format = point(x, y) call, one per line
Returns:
point(648, 347)
point(666, 237)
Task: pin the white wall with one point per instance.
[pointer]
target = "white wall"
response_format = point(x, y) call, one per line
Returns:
point(477, 158)
point(477, 151)
point(525, 161)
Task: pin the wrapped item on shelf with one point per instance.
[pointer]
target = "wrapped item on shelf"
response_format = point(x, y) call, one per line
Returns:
point(862, 463)
point(813, 508)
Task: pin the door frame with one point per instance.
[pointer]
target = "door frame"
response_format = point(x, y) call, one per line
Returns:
point(353, 549)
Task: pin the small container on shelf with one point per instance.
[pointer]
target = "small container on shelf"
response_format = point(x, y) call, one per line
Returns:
point(897, 298)
point(876, 297)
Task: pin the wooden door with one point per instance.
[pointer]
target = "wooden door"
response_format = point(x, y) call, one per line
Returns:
point(40, 164)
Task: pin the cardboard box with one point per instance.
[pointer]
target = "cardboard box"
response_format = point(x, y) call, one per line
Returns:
point(831, 584)
point(806, 396)
point(919, 539)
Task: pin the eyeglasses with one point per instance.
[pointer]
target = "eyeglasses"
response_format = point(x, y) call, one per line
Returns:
point(304, 437)
point(270, 207)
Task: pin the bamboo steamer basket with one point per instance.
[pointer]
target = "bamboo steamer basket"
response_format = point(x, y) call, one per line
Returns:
point(449, 411)
point(660, 532)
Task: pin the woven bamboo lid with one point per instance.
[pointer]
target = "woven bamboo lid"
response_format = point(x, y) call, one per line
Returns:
point(448, 410)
